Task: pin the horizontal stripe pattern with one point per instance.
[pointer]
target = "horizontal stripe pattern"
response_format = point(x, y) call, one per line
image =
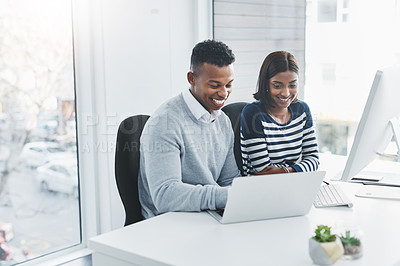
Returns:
point(269, 143)
point(255, 28)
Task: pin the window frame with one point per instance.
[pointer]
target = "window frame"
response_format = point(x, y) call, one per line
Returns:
point(84, 16)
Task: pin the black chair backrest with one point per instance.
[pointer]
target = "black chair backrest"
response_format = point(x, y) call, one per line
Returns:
point(233, 111)
point(127, 160)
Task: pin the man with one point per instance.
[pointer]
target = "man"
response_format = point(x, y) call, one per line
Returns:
point(187, 160)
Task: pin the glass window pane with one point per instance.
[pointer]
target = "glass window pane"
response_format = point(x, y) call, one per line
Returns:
point(39, 203)
point(341, 61)
point(345, 17)
point(327, 10)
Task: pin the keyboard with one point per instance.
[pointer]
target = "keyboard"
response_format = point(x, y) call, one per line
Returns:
point(331, 196)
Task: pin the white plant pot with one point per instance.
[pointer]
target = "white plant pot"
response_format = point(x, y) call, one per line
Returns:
point(325, 253)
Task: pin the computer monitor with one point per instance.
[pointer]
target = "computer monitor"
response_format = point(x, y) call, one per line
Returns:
point(379, 122)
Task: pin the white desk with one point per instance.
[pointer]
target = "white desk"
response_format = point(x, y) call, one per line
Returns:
point(198, 239)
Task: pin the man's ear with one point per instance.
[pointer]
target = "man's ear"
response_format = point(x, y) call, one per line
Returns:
point(190, 78)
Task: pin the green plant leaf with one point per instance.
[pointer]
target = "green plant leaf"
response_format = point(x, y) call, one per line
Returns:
point(323, 234)
point(349, 240)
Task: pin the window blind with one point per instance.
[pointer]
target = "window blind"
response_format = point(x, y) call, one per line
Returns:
point(253, 29)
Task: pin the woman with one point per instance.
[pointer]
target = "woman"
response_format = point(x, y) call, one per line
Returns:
point(277, 132)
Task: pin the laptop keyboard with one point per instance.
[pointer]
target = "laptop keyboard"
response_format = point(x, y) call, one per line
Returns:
point(331, 196)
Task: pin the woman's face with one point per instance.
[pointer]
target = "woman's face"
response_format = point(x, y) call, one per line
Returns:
point(283, 89)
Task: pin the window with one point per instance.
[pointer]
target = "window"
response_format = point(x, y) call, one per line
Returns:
point(342, 48)
point(345, 10)
point(328, 73)
point(39, 202)
point(341, 61)
point(327, 10)
point(331, 10)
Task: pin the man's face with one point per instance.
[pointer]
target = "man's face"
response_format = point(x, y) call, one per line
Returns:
point(212, 85)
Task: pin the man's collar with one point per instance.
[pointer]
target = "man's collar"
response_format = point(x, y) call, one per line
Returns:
point(199, 112)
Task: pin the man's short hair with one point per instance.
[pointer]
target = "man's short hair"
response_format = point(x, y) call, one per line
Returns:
point(211, 52)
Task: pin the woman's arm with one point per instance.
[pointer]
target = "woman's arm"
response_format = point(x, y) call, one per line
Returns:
point(310, 157)
point(253, 141)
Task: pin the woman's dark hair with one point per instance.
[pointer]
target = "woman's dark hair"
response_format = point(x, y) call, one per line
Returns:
point(212, 52)
point(274, 63)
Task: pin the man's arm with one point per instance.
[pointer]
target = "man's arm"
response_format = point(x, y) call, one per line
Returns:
point(230, 169)
point(162, 166)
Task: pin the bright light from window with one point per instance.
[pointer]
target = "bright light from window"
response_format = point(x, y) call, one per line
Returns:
point(39, 203)
point(342, 57)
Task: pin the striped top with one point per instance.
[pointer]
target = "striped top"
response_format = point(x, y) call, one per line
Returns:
point(265, 142)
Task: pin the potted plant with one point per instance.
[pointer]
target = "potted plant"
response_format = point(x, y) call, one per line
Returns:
point(352, 246)
point(325, 248)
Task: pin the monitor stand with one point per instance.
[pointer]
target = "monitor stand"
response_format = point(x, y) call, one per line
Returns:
point(389, 187)
point(395, 125)
point(374, 178)
point(371, 178)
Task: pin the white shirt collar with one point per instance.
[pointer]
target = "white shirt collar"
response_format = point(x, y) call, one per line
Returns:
point(199, 112)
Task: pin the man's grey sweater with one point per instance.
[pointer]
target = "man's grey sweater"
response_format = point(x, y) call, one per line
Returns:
point(185, 164)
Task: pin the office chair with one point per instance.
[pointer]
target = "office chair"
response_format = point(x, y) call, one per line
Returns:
point(127, 159)
point(233, 111)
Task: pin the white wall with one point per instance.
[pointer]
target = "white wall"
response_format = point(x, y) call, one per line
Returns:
point(140, 54)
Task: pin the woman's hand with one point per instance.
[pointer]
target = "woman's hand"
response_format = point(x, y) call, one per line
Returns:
point(269, 170)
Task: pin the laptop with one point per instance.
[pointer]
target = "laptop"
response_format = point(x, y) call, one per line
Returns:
point(270, 196)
